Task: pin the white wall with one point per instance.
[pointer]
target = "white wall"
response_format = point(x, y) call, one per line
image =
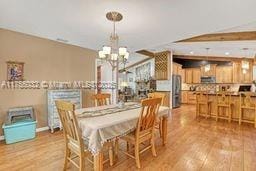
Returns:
point(106, 76)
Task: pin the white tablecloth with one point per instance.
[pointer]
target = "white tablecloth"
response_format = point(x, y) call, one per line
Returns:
point(98, 130)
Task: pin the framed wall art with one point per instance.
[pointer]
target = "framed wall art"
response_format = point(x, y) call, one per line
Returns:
point(15, 71)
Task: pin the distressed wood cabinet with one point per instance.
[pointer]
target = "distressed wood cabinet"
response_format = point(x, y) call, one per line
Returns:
point(70, 95)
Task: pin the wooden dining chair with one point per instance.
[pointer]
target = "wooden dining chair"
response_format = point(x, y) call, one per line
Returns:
point(162, 96)
point(75, 146)
point(246, 103)
point(101, 99)
point(144, 130)
point(202, 99)
point(223, 100)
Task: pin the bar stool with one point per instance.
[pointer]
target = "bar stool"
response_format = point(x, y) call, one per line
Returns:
point(202, 99)
point(223, 102)
point(246, 102)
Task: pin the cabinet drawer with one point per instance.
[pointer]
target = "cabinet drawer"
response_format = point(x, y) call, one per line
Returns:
point(191, 98)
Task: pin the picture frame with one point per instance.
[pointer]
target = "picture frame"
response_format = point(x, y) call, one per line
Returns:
point(15, 71)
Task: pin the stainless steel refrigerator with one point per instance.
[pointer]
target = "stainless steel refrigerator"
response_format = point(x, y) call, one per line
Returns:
point(176, 91)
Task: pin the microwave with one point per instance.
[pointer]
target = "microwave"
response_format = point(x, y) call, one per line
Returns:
point(209, 79)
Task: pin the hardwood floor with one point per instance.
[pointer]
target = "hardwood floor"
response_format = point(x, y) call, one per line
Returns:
point(193, 144)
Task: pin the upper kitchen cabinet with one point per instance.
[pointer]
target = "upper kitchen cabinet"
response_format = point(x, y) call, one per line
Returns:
point(211, 72)
point(236, 72)
point(189, 75)
point(196, 75)
point(192, 75)
point(176, 68)
point(239, 76)
point(246, 77)
point(224, 74)
point(183, 75)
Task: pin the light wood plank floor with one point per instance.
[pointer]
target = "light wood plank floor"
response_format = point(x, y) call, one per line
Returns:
point(193, 144)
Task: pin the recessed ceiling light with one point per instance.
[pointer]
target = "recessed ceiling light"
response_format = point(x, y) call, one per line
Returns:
point(191, 52)
point(227, 53)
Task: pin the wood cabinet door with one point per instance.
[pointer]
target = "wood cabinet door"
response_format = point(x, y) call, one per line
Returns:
point(191, 98)
point(189, 75)
point(219, 75)
point(184, 97)
point(239, 76)
point(179, 70)
point(227, 72)
point(224, 74)
point(247, 77)
point(203, 73)
point(196, 78)
point(174, 68)
point(183, 75)
point(236, 72)
point(212, 71)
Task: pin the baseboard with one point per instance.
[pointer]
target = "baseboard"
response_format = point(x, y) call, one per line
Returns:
point(42, 129)
point(37, 130)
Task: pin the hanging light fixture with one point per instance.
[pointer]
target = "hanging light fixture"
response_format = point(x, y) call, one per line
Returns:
point(112, 53)
point(207, 66)
point(245, 63)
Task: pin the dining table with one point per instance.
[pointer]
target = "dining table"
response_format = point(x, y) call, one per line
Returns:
point(106, 123)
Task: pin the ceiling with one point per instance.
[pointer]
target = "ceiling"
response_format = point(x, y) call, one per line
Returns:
point(146, 24)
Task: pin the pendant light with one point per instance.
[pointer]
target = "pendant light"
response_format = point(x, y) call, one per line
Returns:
point(245, 63)
point(207, 66)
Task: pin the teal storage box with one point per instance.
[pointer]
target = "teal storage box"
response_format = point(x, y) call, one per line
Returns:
point(19, 130)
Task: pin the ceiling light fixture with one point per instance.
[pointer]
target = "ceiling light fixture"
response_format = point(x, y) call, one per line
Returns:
point(191, 52)
point(245, 63)
point(227, 53)
point(112, 53)
point(207, 66)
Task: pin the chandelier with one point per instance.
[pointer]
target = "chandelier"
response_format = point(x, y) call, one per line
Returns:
point(112, 53)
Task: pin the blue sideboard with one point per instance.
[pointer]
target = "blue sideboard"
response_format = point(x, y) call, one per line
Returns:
point(71, 95)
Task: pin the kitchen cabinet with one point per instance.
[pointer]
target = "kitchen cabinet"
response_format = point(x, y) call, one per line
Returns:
point(189, 75)
point(196, 75)
point(211, 72)
point(224, 74)
point(247, 76)
point(184, 97)
point(183, 75)
point(192, 75)
point(191, 97)
point(236, 72)
point(239, 76)
point(176, 69)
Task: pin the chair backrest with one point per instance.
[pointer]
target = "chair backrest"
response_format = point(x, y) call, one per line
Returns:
point(101, 99)
point(223, 98)
point(158, 95)
point(202, 96)
point(72, 133)
point(146, 121)
point(246, 99)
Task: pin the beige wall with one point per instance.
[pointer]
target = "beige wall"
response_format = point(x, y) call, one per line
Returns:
point(44, 60)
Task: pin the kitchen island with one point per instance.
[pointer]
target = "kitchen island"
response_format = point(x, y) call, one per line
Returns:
point(248, 114)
